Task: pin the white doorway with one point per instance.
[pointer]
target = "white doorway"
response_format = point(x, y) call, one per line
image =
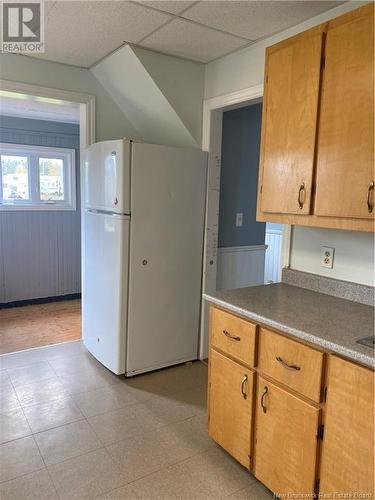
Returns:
point(43, 132)
point(212, 142)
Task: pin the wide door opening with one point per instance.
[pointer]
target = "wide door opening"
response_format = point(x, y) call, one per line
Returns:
point(40, 222)
point(249, 252)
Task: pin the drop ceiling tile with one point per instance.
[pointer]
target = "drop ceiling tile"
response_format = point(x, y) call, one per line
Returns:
point(255, 19)
point(192, 41)
point(172, 6)
point(81, 32)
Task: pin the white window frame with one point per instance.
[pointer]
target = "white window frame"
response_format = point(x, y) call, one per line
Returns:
point(34, 153)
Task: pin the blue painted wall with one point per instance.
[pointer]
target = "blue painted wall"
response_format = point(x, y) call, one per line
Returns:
point(239, 177)
point(40, 251)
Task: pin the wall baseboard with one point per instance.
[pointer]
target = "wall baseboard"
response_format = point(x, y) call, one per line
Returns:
point(239, 267)
point(42, 300)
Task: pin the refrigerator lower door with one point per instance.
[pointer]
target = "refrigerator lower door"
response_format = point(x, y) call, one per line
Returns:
point(168, 205)
point(105, 288)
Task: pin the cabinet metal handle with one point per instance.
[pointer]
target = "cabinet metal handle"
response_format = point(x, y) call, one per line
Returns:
point(370, 205)
point(244, 380)
point(230, 336)
point(264, 407)
point(301, 199)
point(286, 365)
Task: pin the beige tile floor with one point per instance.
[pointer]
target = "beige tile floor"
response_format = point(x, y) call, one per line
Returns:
point(70, 429)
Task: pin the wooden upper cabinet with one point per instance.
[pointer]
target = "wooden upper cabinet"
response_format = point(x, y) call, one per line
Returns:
point(347, 464)
point(317, 151)
point(345, 167)
point(292, 81)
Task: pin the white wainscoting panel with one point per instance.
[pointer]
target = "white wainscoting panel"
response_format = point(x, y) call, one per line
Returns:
point(238, 267)
point(272, 270)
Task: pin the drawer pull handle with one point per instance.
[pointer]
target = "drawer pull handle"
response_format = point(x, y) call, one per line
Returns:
point(370, 205)
point(264, 407)
point(230, 336)
point(285, 365)
point(301, 195)
point(244, 380)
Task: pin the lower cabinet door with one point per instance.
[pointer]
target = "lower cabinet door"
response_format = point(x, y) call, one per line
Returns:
point(286, 441)
point(230, 406)
point(347, 465)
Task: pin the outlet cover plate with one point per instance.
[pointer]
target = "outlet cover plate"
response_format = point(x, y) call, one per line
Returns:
point(239, 219)
point(328, 254)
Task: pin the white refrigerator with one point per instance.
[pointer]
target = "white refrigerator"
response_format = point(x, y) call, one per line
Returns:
point(143, 227)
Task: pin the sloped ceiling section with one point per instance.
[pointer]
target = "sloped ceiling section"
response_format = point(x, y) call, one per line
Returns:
point(182, 84)
point(138, 96)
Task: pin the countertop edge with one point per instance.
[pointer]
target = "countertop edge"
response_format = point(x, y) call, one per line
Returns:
point(367, 361)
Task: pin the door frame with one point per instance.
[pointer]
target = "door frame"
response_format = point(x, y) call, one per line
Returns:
point(86, 102)
point(86, 123)
point(211, 142)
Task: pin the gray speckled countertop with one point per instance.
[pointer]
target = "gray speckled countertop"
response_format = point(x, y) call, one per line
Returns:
point(329, 322)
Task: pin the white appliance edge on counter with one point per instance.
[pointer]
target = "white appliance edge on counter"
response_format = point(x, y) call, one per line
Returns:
point(143, 227)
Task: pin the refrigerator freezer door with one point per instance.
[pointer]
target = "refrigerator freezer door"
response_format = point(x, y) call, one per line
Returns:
point(168, 205)
point(107, 176)
point(105, 288)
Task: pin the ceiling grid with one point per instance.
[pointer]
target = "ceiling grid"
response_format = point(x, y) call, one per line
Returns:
point(81, 33)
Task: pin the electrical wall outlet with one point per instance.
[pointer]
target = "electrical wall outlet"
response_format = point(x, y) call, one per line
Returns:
point(328, 254)
point(239, 220)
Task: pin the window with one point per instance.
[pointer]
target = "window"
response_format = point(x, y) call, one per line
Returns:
point(37, 178)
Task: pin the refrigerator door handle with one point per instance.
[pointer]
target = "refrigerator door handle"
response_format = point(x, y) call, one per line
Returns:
point(104, 212)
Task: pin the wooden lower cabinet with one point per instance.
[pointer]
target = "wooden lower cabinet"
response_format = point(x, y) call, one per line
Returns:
point(286, 440)
point(273, 420)
point(230, 406)
point(347, 465)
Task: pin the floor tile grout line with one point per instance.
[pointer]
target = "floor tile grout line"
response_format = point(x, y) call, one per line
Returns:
point(71, 396)
point(57, 426)
point(251, 474)
point(49, 466)
point(179, 462)
point(53, 483)
point(133, 403)
point(23, 413)
point(22, 475)
point(45, 465)
point(144, 431)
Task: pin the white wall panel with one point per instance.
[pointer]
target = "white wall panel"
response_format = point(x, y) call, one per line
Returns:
point(272, 269)
point(39, 250)
point(240, 266)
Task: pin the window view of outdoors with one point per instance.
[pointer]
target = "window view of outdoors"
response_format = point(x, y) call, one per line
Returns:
point(51, 179)
point(15, 177)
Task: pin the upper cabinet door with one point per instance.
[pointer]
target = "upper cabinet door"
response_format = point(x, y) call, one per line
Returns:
point(292, 82)
point(345, 169)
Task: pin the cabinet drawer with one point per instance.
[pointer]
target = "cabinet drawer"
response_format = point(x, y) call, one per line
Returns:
point(233, 335)
point(292, 363)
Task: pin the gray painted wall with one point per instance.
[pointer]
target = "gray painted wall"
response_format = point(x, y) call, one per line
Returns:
point(110, 121)
point(40, 251)
point(239, 177)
